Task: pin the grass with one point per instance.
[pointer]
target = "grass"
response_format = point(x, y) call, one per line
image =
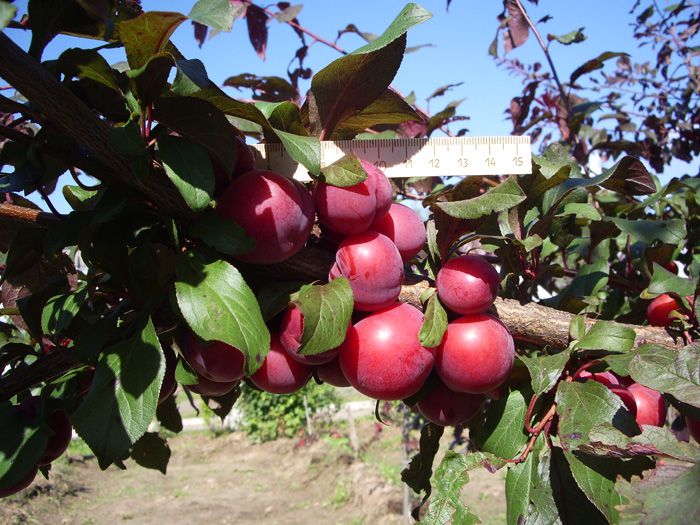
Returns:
point(341, 495)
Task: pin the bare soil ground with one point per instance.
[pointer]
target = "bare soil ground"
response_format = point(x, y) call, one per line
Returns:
point(227, 480)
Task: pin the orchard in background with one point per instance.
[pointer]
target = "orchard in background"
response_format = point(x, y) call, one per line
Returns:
point(553, 314)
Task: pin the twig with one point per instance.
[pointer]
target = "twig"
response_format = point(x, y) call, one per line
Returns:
point(15, 135)
point(545, 49)
point(48, 202)
point(81, 184)
point(528, 414)
point(535, 434)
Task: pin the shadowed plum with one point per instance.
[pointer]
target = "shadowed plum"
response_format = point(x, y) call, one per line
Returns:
point(205, 387)
point(21, 484)
point(213, 360)
point(275, 211)
point(244, 164)
point(445, 407)
point(332, 374)
point(279, 373)
point(693, 428)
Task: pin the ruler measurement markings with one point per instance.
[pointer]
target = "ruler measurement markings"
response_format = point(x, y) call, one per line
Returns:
point(414, 157)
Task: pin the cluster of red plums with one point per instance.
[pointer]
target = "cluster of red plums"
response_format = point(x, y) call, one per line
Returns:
point(381, 356)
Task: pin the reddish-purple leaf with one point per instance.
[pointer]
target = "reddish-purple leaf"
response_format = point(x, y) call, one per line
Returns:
point(256, 19)
point(518, 29)
point(200, 32)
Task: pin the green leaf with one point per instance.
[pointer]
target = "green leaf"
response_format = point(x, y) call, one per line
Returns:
point(502, 432)
point(668, 495)
point(217, 14)
point(201, 122)
point(22, 443)
point(78, 198)
point(123, 396)
point(233, 107)
point(434, 323)
point(502, 197)
point(326, 309)
point(410, 15)
point(608, 336)
point(671, 231)
point(188, 167)
point(191, 78)
point(304, 150)
point(147, 35)
point(346, 171)
point(606, 440)
point(152, 451)
point(581, 406)
point(663, 281)
point(545, 370)
point(419, 471)
point(593, 64)
point(596, 476)
point(572, 504)
point(88, 63)
point(224, 235)
point(675, 372)
point(518, 483)
point(218, 305)
point(7, 14)
point(184, 374)
point(572, 37)
point(60, 311)
point(274, 297)
point(555, 497)
point(389, 108)
point(126, 140)
point(283, 116)
point(450, 477)
point(555, 161)
point(582, 210)
point(351, 83)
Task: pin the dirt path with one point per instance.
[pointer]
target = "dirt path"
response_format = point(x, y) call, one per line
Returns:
point(226, 480)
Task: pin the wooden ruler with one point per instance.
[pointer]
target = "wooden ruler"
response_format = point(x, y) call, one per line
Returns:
point(434, 157)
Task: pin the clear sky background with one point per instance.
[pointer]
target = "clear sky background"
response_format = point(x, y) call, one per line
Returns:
point(459, 40)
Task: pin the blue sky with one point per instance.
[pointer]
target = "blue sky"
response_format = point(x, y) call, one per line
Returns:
point(459, 40)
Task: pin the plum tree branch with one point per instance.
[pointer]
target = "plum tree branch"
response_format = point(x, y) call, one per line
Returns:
point(532, 322)
point(26, 216)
